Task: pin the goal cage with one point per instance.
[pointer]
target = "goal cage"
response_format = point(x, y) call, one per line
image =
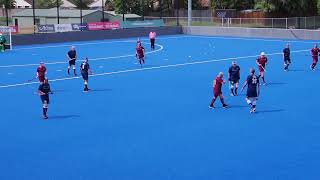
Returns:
point(7, 34)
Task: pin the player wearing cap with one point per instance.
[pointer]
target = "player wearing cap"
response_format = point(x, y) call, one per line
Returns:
point(217, 91)
point(44, 90)
point(2, 43)
point(315, 56)
point(286, 57)
point(72, 57)
point(41, 72)
point(85, 71)
point(262, 62)
point(253, 90)
point(234, 77)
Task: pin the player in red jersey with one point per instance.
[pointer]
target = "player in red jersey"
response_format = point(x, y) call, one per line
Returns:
point(140, 54)
point(217, 91)
point(262, 62)
point(315, 56)
point(41, 72)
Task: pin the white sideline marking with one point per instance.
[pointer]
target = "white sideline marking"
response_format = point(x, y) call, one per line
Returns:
point(59, 70)
point(94, 59)
point(252, 39)
point(93, 43)
point(151, 68)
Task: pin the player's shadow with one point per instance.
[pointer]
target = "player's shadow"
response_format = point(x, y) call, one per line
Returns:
point(101, 90)
point(276, 84)
point(64, 116)
point(297, 70)
point(239, 106)
point(270, 111)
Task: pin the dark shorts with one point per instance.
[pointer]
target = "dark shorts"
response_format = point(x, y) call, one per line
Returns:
point(140, 56)
point(85, 76)
point(234, 81)
point(252, 93)
point(287, 60)
point(45, 98)
point(72, 62)
point(152, 41)
point(217, 93)
point(261, 69)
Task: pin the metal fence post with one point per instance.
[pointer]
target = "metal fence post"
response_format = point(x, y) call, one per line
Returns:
point(305, 22)
point(240, 22)
point(34, 17)
point(286, 23)
point(314, 22)
point(122, 7)
point(272, 22)
point(161, 1)
point(7, 15)
point(102, 7)
point(58, 13)
point(81, 6)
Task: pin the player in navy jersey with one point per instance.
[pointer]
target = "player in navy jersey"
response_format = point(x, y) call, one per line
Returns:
point(44, 90)
point(234, 77)
point(72, 57)
point(85, 71)
point(217, 91)
point(286, 57)
point(315, 56)
point(253, 90)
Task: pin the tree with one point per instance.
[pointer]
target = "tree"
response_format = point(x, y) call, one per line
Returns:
point(45, 4)
point(318, 6)
point(84, 4)
point(8, 4)
point(264, 6)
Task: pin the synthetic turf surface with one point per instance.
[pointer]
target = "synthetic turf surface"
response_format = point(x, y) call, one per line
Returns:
point(154, 123)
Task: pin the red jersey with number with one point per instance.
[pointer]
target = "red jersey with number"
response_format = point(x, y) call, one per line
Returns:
point(218, 85)
point(262, 60)
point(140, 52)
point(41, 71)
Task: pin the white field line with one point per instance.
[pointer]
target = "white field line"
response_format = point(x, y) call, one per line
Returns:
point(94, 59)
point(150, 68)
point(93, 43)
point(252, 39)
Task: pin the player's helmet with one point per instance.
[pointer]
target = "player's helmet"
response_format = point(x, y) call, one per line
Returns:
point(234, 62)
point(263, 54)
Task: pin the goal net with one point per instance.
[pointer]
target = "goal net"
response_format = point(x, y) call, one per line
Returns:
point(7, 34)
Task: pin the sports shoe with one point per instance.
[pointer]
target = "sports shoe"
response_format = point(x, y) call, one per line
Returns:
point(45, 117)
point(211, 107)
point(225, 106)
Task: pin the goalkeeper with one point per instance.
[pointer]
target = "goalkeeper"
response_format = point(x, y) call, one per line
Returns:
point(2, 42)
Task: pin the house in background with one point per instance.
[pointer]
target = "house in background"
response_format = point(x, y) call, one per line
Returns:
point(65, 4)
point(21, 4)
point(24, 19)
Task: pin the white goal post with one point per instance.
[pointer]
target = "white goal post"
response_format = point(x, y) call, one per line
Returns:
point(7, 33)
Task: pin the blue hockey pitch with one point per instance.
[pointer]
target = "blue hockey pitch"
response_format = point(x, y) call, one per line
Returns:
point(153, 123)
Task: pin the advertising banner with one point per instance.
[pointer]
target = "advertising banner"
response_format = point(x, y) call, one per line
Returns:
point(92, 26)
point(79, 27)
point(62, 27)
point(147, 23)
point(47, 28)
point(5, 29)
